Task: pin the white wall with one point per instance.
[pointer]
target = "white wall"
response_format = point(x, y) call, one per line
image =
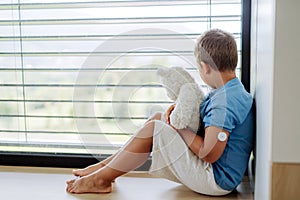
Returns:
point(275, 63)
point(286, 106)
point(262, 66)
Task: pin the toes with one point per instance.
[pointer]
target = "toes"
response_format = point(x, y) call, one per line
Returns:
point(73, 189)
point(68, 188)
point(76, 172)
point(70, 185)
point(70, 181)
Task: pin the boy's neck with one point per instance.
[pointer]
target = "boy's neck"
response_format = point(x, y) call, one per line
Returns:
point(221, 78)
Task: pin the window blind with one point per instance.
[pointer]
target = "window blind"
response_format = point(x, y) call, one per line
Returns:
point(80, 77)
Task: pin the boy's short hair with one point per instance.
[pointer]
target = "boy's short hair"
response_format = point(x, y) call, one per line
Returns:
point(218, 49)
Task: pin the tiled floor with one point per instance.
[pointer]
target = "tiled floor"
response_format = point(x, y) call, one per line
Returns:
point(49, 183)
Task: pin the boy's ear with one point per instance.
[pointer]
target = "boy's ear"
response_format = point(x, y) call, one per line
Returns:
point(206, 67)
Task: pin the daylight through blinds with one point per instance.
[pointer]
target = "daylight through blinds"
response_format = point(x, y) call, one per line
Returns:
point(80, 76)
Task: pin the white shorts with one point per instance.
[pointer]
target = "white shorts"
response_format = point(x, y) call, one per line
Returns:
point(172, 159)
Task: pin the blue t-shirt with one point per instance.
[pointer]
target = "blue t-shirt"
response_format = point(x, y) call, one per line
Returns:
point(230, 108)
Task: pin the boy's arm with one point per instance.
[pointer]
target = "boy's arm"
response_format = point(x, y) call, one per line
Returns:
point(208, 149)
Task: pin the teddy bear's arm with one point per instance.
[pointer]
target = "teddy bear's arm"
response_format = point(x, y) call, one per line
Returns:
point(186, 112)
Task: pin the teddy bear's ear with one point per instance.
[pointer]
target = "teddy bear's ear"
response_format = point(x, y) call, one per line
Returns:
point(162, 71)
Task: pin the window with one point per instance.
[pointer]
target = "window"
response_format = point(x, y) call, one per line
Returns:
point(78, 78)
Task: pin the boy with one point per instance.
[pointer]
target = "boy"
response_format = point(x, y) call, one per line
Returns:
point(212, 162)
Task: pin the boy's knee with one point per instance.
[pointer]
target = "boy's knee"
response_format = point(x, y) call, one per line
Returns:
point(156, 116)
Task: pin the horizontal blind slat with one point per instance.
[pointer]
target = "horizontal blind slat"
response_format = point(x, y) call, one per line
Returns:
point(88, 4)
point(117, 37)
point(73, 117)
point(61, 132)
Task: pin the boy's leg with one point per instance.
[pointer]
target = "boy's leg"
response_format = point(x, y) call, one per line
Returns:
point(131, 156)
point(92, 168)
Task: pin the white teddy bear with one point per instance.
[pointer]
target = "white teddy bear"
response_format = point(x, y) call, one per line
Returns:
point(185, 92)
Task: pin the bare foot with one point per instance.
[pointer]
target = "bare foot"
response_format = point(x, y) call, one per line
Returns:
point(89, 184)
point(88, 170)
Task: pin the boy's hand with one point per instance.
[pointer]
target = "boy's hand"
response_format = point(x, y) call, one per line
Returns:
point(168, 113)
point(167, 116)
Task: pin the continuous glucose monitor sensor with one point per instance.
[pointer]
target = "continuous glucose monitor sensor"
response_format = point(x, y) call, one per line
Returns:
point(222, 136)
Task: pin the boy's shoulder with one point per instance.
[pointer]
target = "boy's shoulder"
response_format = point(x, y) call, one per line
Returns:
point(227, 106)
point(231, 98)
point(232, 90)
